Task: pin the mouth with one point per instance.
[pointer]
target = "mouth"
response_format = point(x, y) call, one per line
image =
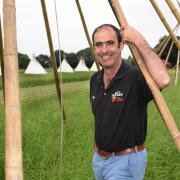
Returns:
point(106, 57)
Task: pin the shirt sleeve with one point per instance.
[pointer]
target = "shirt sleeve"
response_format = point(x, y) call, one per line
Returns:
point(144, 89)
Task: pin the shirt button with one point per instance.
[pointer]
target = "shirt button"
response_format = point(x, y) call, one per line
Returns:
point(104, 93)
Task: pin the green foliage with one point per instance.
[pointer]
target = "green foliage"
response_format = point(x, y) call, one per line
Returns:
point(63, 55)
point(44, 60)
point(86, 54)
point(173, 53)
point(23, 61)
point(72, 59)
point(30, 80)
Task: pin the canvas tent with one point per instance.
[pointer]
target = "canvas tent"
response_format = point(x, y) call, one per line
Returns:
point(93, 67)
point(35, 67)
point(81, 66)
point(65, 67)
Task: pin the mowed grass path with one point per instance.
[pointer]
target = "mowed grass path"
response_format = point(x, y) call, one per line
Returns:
point(41, 135)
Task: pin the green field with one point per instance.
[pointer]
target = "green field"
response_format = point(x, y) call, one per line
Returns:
point(41, 121)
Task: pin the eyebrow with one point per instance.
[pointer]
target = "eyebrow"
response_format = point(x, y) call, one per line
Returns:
point(108, 43)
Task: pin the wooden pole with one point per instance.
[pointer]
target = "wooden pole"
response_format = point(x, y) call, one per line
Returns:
point(13, 144)
point(162, 44)
point(2, 59)
point(167, 41)
point(53, 58)
point(174, 10)
point(158, 98)
point(173, 37)
point(87, 34)
point(177, 68)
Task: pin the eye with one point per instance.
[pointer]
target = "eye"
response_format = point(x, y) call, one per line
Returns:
point(99, 44)
point(110, 43)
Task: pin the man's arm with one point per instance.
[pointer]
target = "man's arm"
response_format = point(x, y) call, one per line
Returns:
point(152, 61)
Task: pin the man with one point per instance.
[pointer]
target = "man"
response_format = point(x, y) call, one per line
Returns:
point(119, 96)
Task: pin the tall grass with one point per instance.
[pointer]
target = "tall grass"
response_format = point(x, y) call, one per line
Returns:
point(41, 135)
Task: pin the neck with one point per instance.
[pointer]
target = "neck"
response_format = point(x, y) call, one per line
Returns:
point(110, 73)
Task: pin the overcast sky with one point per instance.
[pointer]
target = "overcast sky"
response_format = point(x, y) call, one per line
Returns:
point(31, 33)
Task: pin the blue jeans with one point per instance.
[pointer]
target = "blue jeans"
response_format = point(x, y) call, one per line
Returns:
point(122, 167)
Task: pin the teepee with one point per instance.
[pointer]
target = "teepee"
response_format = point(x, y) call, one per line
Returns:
point(81, 66)
point(93, 67)
point(65, 67)
point(35, 67)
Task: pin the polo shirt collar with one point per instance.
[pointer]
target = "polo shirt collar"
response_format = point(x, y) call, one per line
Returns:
point(120, 74)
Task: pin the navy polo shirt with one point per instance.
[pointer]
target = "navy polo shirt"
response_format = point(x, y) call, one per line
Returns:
point(120, 110)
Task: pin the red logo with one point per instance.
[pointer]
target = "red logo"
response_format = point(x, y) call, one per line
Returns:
point(117, 97)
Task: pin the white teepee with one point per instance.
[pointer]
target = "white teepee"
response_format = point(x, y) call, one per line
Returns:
point(93, 67)
point(65, 67)
point(81, 66)
point(35, 67)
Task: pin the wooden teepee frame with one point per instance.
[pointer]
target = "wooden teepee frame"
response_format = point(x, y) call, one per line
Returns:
point(13, 159)
point(87, 34)
point(175, 40)
point(164, 21)
point(158, 98)
point(53, 58)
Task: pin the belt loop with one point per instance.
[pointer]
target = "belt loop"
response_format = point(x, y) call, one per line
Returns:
point(136, 149)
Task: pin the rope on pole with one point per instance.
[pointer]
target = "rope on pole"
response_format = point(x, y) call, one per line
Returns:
point(62, 120)
point(158, 98)
point(53, 58)
point(87, 34)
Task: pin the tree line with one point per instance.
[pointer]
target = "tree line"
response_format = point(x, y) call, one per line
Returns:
point(73, 58)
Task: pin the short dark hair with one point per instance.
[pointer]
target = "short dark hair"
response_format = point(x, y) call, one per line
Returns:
point(116, 30)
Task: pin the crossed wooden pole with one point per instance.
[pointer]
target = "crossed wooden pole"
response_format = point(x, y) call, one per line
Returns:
point(158, 98)
point(13, 150)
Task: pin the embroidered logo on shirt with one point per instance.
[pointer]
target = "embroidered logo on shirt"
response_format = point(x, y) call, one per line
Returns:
point(117, 97)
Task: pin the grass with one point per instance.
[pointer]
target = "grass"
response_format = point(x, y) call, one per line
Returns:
point(30, 80)
point(41, 133)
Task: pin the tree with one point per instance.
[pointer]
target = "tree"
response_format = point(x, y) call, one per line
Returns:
point(44, 60)
point(23, 61)
point(63, 55)
point(173, 53)
point(86, 54)
point(72, 59)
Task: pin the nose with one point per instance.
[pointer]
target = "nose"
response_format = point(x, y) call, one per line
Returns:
point(104, 47)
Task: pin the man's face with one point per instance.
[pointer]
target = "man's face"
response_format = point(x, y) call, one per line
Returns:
point(107, 48)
